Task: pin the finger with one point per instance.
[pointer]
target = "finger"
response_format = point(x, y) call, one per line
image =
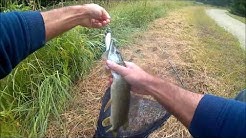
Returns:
point(110, 81)
point(117, 68)
point(129, 64)
point(97, 25)
point(107, 67)
point(104, 23)
point(108, 20)
point(105, 14)
point(95, 21)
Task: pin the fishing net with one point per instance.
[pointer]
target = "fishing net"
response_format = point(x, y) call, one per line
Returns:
point(145, 116)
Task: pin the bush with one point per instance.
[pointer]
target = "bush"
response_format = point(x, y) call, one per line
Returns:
point(239, 7)
point(216, 2)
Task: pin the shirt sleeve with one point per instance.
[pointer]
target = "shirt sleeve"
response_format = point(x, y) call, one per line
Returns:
point(21, 34)
point(219, 117)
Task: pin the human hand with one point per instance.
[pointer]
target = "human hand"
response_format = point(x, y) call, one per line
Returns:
point(95, 16)
point(134, 75)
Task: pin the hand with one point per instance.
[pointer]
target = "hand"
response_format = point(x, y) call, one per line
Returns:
point(134, 75)
point(96, 16)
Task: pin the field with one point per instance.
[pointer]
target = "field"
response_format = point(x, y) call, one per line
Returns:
point(40, 97)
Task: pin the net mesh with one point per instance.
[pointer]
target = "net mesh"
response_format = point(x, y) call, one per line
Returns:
point(145, 116)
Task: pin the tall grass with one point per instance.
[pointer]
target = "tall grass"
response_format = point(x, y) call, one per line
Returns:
point(39, 87)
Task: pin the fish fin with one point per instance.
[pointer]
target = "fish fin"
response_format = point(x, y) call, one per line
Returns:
point(106, 122)
point(105, 55)
point(110, 129)
point(125, 126)
point(107, 105)
point(114, 134)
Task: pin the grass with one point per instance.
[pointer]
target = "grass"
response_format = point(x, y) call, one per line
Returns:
point(39, 87)
point(240, 18)
point(218, 54)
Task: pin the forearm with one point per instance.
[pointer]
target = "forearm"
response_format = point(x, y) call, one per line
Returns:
point(60, 20)
point(203, 115)
point(179, 102)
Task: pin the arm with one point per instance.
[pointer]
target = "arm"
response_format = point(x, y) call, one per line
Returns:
point(60, 20)
point(204, 115)
point(179, 102)
point(22, 33)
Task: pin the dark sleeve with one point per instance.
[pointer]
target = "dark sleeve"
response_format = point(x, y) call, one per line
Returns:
point(219, 117)
point(21, 34)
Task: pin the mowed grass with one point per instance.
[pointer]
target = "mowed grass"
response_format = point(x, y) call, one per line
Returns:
point(39, 87)
point(218, 55)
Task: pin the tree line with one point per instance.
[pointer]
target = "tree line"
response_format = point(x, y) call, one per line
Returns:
point(236, 6)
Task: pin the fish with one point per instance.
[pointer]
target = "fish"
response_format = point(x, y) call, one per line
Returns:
point(119, 91)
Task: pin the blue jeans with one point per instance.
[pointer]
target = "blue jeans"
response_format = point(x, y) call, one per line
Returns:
point(241, 96)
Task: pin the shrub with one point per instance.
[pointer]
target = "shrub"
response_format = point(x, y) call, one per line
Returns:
point(239, 7)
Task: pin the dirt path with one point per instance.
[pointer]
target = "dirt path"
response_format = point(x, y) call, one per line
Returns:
point(232, 25)
point(158, 50)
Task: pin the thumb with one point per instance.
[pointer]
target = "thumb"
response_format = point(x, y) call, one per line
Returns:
point(117, 68)
point(105, 14)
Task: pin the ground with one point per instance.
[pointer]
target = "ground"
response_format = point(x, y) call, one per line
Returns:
point(165, 50)
point(236, 27)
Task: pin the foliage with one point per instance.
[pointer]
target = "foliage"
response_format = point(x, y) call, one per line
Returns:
point(239, 7)
point(13, 6)
point(216, 2)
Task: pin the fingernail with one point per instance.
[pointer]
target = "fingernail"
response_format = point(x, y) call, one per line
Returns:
point(107, 67)
point(109, 63)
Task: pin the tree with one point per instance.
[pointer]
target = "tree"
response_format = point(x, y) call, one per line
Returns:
point(239, 7)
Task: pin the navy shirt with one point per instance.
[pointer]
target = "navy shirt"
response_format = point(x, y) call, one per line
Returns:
point(23, 32)
point(219, 117)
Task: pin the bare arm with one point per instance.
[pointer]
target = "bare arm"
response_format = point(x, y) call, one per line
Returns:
point(179, 102)
point(60, 20)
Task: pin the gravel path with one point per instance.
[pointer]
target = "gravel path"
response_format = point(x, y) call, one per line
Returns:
point(232, 25)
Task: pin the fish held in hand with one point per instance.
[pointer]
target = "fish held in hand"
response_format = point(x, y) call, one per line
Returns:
point(119, 91)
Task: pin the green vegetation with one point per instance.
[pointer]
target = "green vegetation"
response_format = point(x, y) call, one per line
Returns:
point(240, 18)
point(217, 2)
point(237, 7)
point(219, 55)
point(38, 88)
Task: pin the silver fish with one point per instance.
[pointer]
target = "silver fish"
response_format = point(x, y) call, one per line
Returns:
point(120, 91)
